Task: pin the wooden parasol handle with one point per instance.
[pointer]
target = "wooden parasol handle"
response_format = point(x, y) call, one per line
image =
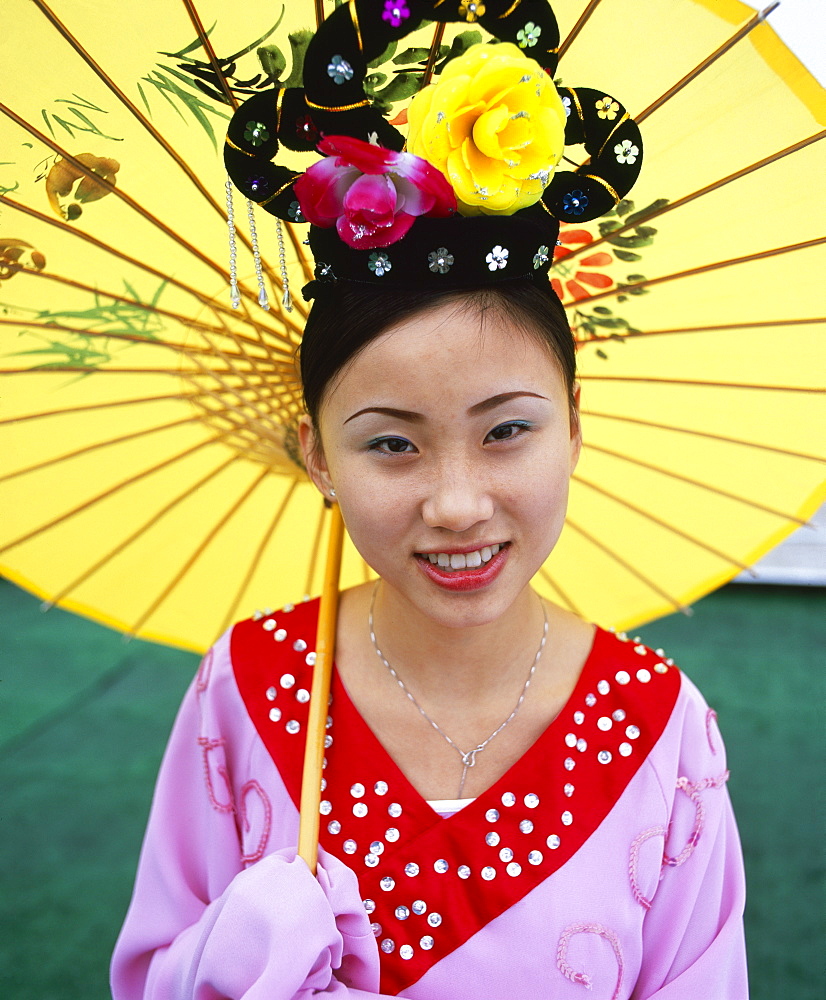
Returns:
point(309, 821)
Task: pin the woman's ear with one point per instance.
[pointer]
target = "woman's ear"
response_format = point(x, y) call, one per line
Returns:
point(313, 453)
point(576, 429)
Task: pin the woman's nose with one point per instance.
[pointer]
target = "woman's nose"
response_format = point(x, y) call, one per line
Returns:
point(457, 500)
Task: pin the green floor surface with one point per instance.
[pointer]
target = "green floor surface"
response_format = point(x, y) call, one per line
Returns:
point(84, 717)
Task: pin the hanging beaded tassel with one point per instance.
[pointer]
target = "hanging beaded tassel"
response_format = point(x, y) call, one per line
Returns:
point(286, 298)
point(263, 301)
point(235, 295)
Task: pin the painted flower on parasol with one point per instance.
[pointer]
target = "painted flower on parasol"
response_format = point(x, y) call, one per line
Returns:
point(372, 195)
point(18, 254)
point(69, 188)
point(574, 285)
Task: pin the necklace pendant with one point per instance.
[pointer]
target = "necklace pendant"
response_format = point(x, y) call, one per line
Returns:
point(469, 758)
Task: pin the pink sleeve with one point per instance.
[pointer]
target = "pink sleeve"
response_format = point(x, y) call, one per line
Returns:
point(201, 925)
point(693, 941)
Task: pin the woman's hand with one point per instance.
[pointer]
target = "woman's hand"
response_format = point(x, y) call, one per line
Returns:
point(279, 933)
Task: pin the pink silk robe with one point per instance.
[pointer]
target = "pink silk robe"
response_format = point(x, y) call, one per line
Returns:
point(604, 864)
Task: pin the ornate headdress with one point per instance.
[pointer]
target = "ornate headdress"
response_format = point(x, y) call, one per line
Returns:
point(472, 195)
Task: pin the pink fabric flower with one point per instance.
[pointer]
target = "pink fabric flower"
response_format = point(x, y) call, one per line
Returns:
point(372, 195)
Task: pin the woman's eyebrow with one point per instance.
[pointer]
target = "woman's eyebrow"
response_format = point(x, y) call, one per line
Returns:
point(502, 397)
point(389, 411)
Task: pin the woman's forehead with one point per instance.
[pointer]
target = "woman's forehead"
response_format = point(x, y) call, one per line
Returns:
point(460, 331)
point(450, 351)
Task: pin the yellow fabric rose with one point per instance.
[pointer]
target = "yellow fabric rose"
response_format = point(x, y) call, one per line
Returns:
point(494, 125)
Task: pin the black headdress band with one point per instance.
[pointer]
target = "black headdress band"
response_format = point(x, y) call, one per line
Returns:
point(458, 251)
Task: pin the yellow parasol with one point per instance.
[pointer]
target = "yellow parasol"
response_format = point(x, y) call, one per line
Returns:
point(149, 466)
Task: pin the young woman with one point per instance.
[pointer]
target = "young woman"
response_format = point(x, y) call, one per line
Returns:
point(514, 801)
point(528, 804)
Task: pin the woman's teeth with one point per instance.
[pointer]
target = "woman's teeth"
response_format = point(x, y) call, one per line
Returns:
point(463, 560)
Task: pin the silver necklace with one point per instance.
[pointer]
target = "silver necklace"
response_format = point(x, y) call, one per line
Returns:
point(468, 756)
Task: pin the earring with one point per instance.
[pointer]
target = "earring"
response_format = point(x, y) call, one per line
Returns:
point(332, 493)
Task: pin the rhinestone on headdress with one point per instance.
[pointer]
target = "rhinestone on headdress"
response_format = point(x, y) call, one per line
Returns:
point(440, 261)
point(497, 258)
point(379, 264)
point(540, 257)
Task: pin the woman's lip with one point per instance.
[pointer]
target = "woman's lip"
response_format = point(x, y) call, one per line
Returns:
point(465, 579)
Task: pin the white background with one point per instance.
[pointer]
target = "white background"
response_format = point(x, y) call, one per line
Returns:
point(802, 26)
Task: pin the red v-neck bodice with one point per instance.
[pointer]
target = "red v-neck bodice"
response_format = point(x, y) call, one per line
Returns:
point(430, 883)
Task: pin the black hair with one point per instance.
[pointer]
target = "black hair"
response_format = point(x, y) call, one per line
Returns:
point(346, 317)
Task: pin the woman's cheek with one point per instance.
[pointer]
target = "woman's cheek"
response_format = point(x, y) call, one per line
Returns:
point(374, 507)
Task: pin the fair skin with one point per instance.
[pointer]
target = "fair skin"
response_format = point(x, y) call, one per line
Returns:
point(448, 435)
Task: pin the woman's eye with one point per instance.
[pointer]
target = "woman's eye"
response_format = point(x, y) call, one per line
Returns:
point(391, 445)
point(509, 430)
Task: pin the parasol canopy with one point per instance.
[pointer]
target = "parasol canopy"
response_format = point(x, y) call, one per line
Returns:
point(149, 472)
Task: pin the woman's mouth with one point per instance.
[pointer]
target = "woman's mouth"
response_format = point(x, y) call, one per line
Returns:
point(462, 571)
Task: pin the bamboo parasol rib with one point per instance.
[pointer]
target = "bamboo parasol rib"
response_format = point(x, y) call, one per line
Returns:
point(647, 514)
point(563, 596)
point(717, 490)
point(211, 532)
point(135, 535)
point(709, 61)
point(577, 28)
point(692, 272)
point(709, 435)
point(721, 327)
point(669, 598)
point(259, 552)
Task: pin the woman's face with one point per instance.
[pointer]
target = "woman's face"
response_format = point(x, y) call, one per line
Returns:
point(449, 444)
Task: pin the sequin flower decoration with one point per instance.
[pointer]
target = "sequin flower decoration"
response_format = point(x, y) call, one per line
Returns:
point(626, 152)
point(440, 261)
point(339, 70)
point(379, 263)
point(395, 11)
point(256, 134)
point(471, 10)
point(259, 185)
point(497, 258)
point(542, 256)
point(305, 129)
point(528, 36)
point(575, 202)
point(607, 108)
point(372, 195)
point(494, 124)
